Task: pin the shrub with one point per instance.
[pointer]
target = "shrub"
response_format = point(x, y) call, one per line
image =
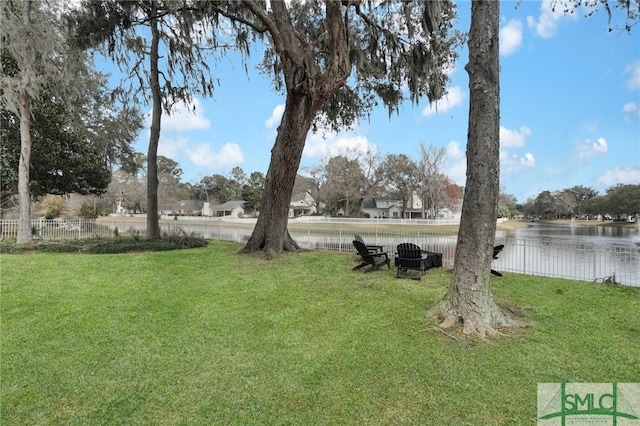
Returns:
point(104, 245)
point(53, 206)
point(86, 212)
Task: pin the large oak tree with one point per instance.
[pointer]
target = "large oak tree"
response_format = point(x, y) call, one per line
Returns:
point(333, 59)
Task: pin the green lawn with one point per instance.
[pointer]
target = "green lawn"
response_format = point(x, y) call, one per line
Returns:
point(207, 336)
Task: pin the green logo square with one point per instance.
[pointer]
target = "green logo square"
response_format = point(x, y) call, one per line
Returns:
point(588, 404)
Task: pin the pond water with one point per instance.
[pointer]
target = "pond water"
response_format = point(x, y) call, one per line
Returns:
point(585, 252)
point(588, 253)
point(596, 233)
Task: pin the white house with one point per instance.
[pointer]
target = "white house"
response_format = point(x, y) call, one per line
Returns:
point(391, 208)
point(188, 208)
point(302, 204)
point(233, 208)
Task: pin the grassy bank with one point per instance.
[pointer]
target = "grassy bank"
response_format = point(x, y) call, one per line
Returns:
point(206, 336)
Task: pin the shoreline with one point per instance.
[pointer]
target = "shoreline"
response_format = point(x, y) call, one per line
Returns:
point(594, 222)
point(509, 225)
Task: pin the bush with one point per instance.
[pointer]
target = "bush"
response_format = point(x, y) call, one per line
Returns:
point(53, 206)
point(86, 212)
point(104, 245)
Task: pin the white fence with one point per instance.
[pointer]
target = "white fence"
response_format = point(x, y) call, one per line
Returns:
point(44, 229)
point(551, 257)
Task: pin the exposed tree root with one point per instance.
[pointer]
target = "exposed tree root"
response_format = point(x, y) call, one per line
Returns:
point(272, 247)
point(441, 330)
point(493, 322)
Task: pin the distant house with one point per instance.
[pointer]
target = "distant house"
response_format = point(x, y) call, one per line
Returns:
point(382, 208)
point(390, 208)
point(302, 204)
point(233, 208)
point(189, 208)
point(445, 213)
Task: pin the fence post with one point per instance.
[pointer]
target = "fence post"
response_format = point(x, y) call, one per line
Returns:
point(524, 256)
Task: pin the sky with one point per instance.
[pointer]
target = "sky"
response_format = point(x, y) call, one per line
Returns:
point(570, 111)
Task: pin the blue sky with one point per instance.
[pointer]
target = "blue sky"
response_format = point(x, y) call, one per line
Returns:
point(570, 111)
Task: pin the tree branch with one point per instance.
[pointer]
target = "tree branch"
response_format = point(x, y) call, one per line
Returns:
point(367, 20)
point(270, 24)
point(253, 25)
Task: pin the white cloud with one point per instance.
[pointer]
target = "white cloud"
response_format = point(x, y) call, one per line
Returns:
point(171, 148)
point(634, 81)
point(324, 142)
point(624, 175)
point(455, 164)
point(592, 149)
point(453, 98)
point(328, 144)
point(203, 155)
point(348, 142)
point(510, 37)
point(546, 25)
point(528, 161)
point(184, 118)
point(455, 152)
point(514, 138)
point(631, 109)
point(512, 163)
point(276, 116)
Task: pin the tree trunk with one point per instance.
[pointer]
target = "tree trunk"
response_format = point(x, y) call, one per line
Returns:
point(359, 207)
point(469, 301)
point(24, 195)
point(305, 95)
point(347, 212)
point(270, 233)
point(153, 226)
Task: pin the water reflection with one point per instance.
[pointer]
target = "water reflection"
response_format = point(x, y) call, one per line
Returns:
point(577, 231)
point(577, 252)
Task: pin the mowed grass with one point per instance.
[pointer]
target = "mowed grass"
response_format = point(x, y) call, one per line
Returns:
point(208, 336)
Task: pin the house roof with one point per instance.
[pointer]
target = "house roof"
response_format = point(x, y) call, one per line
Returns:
point(189, 204)
point(301, 196)
point(302, 199)
point(369, 203)
point(228, 206)
point(380, 203)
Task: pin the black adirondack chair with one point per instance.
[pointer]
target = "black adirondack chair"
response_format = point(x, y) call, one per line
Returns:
point(369, 246)
point(496, 251)
point(370, 257)
point(411, 257)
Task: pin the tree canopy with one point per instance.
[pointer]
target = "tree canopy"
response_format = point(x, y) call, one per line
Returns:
point(34, 37)
point(334, 61)
point(72, 152)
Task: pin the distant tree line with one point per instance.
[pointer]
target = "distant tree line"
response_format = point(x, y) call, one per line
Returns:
point(343, 182)
point(619, 202)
